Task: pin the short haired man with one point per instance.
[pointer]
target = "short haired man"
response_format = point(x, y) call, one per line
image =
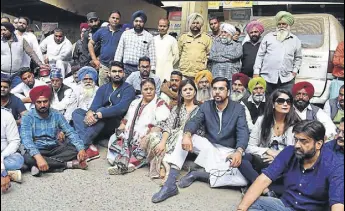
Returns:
point(109, 37)
point(144, 73)
point(337, 145)
point(73, 81)
point(169, 90)
point(228, 140)
point(110, 104)
point(58, 50)
point(5, 19)
point(302, 93)
point(10, 102)
point(239, 87)
point(279, 49)
point(215, 27)
point(39, 131)
point(313, 176)
point(334, 108)
point(203, 80)
point(136, 43)
point(23, 89)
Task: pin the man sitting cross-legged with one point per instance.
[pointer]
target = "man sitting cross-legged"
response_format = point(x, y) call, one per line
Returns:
point(39, 131)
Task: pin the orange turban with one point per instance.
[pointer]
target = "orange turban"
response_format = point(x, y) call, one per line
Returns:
point(205, 73)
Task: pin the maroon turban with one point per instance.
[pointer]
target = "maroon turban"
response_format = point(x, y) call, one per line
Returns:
point(309, 88)
point(242, 77)
point(84, 26)
point(255, 24)
point(40, 91)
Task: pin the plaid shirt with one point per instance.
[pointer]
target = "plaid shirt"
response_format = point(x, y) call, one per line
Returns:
point(38, 133)
point(225, 58)
point(133, 46)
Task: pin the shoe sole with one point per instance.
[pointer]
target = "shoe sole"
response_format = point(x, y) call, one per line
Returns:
point(93, 158)
point(114, 171)
point(172, 194)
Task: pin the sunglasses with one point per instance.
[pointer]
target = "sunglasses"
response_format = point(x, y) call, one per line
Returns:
point(282, 101)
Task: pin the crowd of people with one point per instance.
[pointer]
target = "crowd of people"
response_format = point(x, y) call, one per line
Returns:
point(157, 99)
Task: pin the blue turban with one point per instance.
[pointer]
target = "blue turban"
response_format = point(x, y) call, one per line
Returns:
point(88, 71)
point(55, 73)
point(139, 14)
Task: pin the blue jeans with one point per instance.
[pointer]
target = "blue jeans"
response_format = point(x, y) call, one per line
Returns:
point(14, 162)
point(15, 79)
point(269, 204)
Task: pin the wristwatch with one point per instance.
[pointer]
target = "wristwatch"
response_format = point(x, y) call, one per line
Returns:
point(4, 173)
point(95, 116)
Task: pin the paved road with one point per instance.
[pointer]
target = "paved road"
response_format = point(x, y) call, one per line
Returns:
point(95, 190)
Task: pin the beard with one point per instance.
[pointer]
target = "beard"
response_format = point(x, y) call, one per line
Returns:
point(237, 96)
point(301, 155)
point(117, 81)
point(226, 40)
point(258, 98)
point(88, 90)
point(301, 105)
point(255, 38)
point(21, 29)
point(282, 34)
point(42, 110)
point(204, 95)
point(341, 103)
point(145, 74)
point(138, 29)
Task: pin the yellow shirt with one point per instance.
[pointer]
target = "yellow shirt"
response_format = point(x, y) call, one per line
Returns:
point(193, 53)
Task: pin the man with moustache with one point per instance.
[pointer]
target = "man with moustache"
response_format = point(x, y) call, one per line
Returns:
point(23, 23)
point(215, 27)
point(136, 43)
point(251, 47)
point(313, 175)
point(203, 80)
point(144, 73)
point(85, 92)
point(169, 90)
point(337, 145)
point(239, 87)
point(194, 47)
point(39, 134)
point(109, 106)
point(279, 58)
point(302, 93)
point(109, 37)
point(166, 50)
point(334, 108)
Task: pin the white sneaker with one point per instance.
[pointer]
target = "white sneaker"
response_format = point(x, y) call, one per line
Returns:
point(15, 176)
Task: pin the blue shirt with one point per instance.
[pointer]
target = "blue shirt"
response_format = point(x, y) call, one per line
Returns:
point(314, 189)
point(15, 106)
point(109, 42)
point(336, 149)
point(38, 133)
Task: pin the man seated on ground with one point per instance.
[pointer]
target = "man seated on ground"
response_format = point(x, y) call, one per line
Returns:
point(72, 81)
point(144, 73)
point(84, 92)
point(170, 89)
point(334, 108)
point(203, 80)
point(257, 101)
point(63, 96)
point(302, 93)
point(22, 90)
point(226, 135)
point(39, 132)
point(313, 175)
point(337, 145)
point(10, 102)
point(10, 141)
point(109, 106)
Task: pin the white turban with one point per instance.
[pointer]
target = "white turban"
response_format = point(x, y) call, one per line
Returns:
point(193, 17)
point(228, 28)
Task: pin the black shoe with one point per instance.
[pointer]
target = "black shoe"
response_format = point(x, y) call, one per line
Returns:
point(187, 180)
point(166, 192)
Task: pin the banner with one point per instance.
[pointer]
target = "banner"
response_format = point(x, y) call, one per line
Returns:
point(237, 4)
point(214, 5)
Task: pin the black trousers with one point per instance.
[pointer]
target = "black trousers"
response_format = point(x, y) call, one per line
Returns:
point(286, 86)
point(56, 157)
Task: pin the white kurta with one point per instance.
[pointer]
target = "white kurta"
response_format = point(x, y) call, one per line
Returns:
point(167, 56)
point(22, 91)
point(32, 40)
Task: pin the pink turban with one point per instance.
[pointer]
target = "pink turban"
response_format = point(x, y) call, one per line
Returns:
point(40, 91)
point(255, 24)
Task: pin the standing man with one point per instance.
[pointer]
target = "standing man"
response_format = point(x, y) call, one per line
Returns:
point(215, 27)
point(334, 108)
point(58, 51)
point(251, 47)
point(194, 47)
point(166, 50)
point(77, 51)
point(225, 53)
point(136, 43)
point(279, 58)
point(109, 37)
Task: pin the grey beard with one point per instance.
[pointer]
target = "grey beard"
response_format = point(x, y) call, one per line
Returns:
point(88, 91)
point(236, 96)
point(258, 98)
point(204, 95)
point(282, 34)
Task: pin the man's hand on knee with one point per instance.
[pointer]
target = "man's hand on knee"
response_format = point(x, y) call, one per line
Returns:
point(41, 163)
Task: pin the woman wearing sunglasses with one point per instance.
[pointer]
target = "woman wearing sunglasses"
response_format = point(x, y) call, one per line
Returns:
point(271, 134)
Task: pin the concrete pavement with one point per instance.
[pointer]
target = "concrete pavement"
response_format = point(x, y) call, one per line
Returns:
point(95, 190)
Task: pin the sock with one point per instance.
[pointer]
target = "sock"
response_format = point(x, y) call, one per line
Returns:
point(172, 177)
point(69, 164)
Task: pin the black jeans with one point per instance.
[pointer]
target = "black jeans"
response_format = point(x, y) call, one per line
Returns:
point(56, 157)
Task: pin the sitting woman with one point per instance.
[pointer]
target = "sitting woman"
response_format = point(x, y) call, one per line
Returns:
point(271, 134)
point(124, 149)
point(163, 143)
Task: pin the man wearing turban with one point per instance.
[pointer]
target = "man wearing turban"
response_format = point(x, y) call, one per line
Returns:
point(136, 43)
point(302, 93)
point(279, 58)
point(194, 47)
point(203, 82)
point(251, 47)
point(225, 53)
point(39, 133)
point(77, 51)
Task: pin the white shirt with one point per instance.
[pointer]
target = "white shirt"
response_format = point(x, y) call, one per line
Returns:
point(56, 51)
point(167, 54)
point(331, 129)
point(70, 82)
point(22, 91)
point(32, 40)
point(68, 101)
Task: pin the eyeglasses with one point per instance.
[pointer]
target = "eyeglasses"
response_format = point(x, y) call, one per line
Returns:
point(282, 101)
